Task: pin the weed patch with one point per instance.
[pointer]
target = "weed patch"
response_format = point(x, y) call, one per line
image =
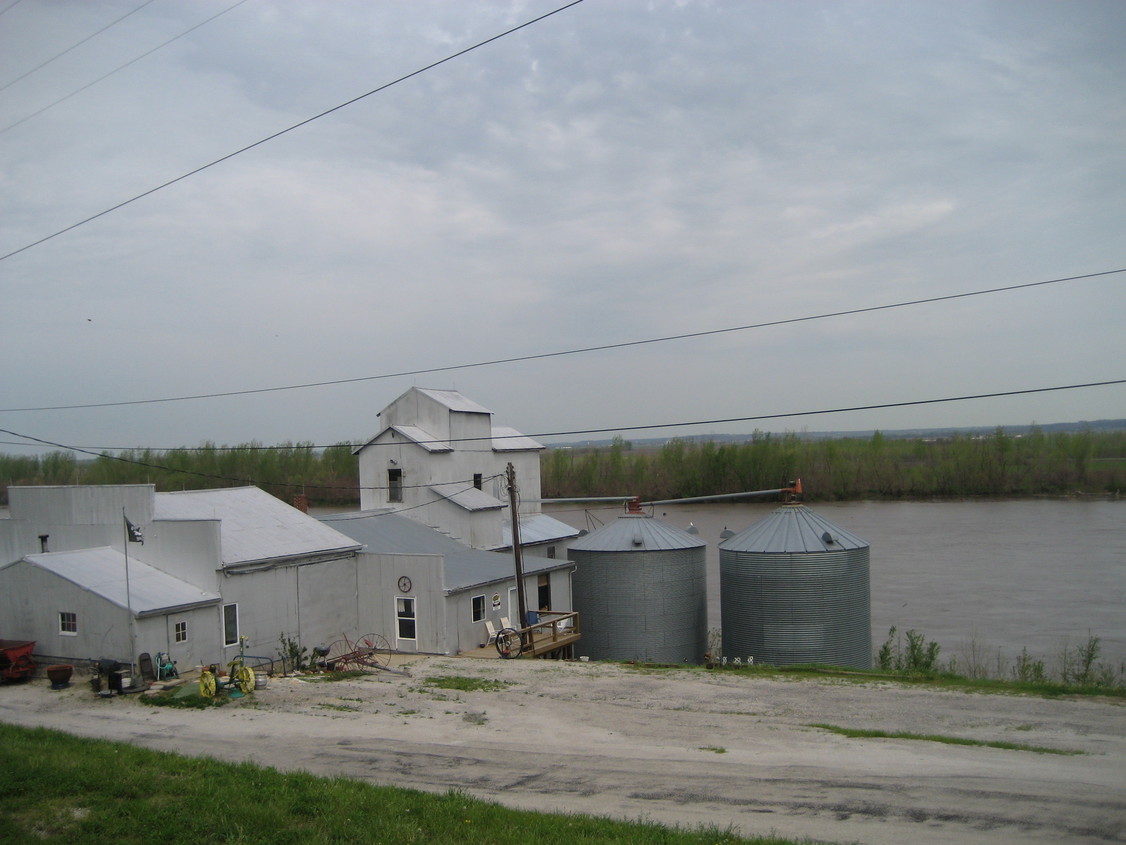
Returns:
point(856, 733)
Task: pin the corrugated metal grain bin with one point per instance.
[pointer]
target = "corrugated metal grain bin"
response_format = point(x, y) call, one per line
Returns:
point(640, 587)
point(794, 588)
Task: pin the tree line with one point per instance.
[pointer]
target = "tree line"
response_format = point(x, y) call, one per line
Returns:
point(328, 476)
point(876, 467)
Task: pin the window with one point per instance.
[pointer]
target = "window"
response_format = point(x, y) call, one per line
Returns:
point(544, 596)
point(404, 612)
point(394, 485)
point(478, 608)
point(230, 624)
point(551, 552)
point(478, 479)
point(68, 623)
point(180, 632)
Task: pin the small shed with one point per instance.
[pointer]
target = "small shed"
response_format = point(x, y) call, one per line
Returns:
point(87, 607)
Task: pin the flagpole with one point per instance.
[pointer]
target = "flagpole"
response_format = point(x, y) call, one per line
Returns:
point(128, 597)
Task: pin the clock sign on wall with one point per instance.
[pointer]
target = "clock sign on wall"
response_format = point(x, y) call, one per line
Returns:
point(404, 584)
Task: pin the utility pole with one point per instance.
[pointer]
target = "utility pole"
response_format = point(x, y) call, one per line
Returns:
point(516, 555)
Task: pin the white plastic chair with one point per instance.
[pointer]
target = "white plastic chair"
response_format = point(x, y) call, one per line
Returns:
point(491, 631)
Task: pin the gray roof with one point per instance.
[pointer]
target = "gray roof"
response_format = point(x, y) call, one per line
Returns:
point(634, 533)
point(507, 439)
point(454, 401)
point(101, 571)
point(791, 529)
point(420, 436)
point(385, 532)
point(468, 497)
point(539, 528)
point(255, 526)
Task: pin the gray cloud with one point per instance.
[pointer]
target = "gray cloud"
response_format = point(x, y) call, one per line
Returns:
point(616, 172)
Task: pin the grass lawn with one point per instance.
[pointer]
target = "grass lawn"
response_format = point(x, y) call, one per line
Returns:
point(55, 787)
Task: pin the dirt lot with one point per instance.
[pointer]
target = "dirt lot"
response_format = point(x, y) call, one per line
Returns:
point(682, 748)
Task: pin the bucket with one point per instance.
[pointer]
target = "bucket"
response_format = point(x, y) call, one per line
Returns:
point(260, 680)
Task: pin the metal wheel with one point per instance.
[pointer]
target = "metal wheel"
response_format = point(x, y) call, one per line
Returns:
point(372, 650)
point(508, 643)
point(340, 656)
point(243, 678)
point(207, 684)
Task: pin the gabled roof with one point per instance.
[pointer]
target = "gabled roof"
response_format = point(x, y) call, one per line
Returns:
point(101, 571)
point(255, 526)
point(385, 532)
point(471, 499)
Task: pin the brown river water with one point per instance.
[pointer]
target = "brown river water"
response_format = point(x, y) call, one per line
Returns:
point(989, 577)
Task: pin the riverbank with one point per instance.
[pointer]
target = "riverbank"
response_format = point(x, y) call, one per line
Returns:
point(677, 746)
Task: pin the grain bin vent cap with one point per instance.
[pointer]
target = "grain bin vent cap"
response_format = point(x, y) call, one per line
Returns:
point(790, 529)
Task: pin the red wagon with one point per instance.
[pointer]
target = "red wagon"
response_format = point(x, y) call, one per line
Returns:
point(15, 659)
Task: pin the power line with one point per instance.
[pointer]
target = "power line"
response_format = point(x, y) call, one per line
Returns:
point(77, 44)
point(581, 350)
point(133, 61)
point(626, 428)
point(282, 132)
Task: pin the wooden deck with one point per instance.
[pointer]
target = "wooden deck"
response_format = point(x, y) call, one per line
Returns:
point(553, 636)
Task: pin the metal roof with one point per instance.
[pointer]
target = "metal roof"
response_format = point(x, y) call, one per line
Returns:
point(454, 401)
point(101, 571)
point(507, 439)
point(420, 436)
point(790, 529)
point(636, 532)
point(469, 498)
point(255, 526)
point(385, 532)
point(538, 528)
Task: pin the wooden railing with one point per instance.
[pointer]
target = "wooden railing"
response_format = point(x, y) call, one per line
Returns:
point(555, 629)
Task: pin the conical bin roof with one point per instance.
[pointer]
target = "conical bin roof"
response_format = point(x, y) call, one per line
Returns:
point(635, 533)
point(793, 529)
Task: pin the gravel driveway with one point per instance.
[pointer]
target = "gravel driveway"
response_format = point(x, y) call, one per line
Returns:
point(680, 747)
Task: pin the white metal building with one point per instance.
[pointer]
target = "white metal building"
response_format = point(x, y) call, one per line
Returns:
point(439, 460)
point(213, 565)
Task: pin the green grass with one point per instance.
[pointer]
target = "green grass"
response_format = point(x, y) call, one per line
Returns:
point(856, 733)
point(936, 680)
point(464, 683)
point(59, 788)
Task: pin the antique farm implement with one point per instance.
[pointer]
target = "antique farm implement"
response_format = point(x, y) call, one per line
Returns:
point(238, 682)
point(370, 651)
point(16, 663)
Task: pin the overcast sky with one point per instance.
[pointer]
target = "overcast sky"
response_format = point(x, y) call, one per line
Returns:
point(617, 172)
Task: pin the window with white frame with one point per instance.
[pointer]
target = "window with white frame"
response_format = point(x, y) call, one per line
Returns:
point(180, 632)
point(478, 608)
point(68, 623)
point(404, 614)
point(230, 624)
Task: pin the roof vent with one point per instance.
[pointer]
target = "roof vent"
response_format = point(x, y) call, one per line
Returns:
point(637, 541)
point(828, 538)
